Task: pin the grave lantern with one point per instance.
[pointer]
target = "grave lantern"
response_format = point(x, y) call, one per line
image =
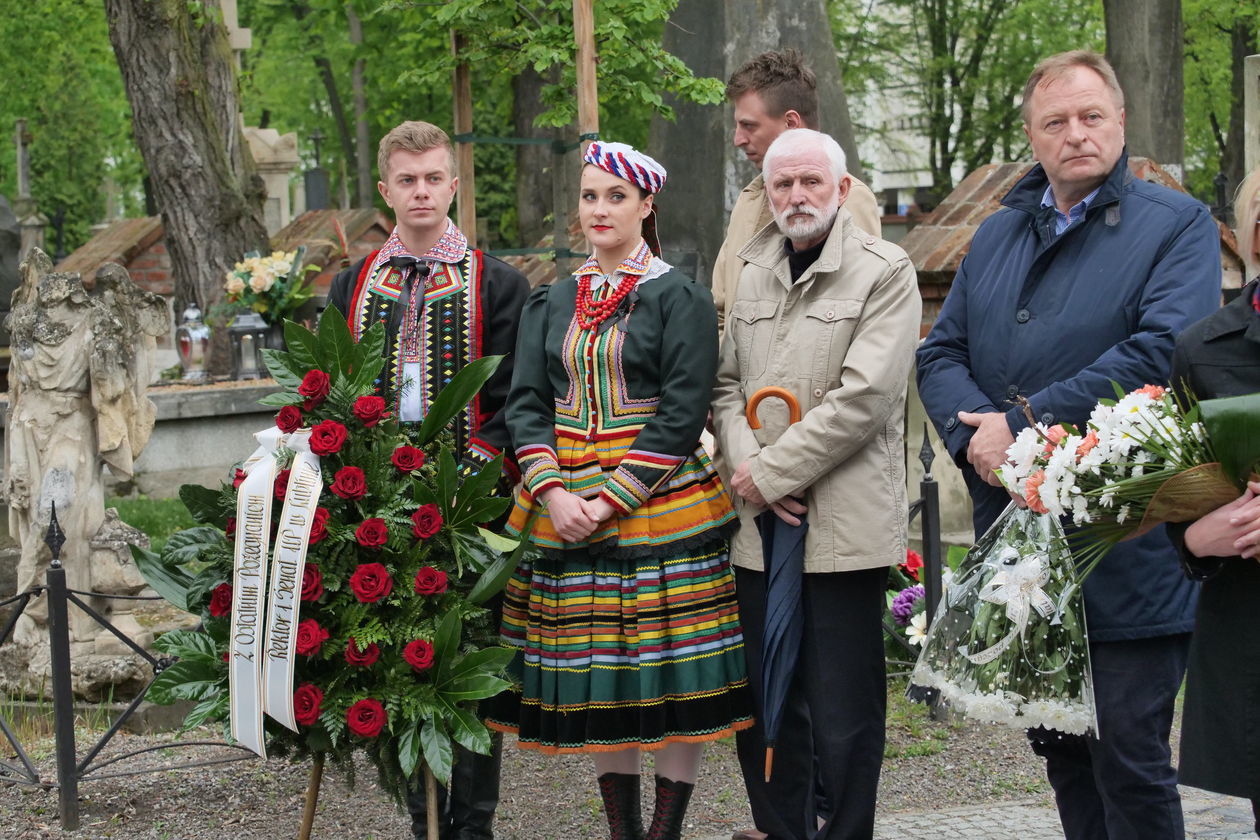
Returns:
point(192, 339)
point(248, 334)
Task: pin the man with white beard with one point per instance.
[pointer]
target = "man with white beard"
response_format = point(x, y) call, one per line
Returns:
point(831, 313)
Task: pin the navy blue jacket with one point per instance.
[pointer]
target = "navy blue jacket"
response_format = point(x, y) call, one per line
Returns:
point(1056, 319)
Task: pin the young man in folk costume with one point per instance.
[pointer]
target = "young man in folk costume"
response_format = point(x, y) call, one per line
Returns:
point(444, 305)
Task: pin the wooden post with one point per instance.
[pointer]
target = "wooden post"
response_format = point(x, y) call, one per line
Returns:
point(587, 86)
point(1251, 114)
point(431, 801)
point(462, 94)
point(312, 797)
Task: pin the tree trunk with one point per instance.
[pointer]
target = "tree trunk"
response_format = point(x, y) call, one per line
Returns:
point(1144, 45)
point(534, 163)
point(706, 171)
point(1243, 42)
point(179, 76)
point(362, 147)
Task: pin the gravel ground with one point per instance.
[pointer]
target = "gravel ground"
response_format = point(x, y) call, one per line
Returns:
point(928, 765)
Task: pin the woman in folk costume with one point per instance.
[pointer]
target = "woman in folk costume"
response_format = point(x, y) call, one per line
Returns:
point(627, 619)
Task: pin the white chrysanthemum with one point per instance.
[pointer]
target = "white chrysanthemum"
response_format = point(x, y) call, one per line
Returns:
point(991, 708)
point(917, 629)
point(1122, 514)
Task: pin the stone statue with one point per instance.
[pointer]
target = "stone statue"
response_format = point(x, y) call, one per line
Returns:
point(79, 369)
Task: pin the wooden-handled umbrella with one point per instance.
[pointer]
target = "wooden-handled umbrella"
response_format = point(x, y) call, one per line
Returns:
point(783, 547)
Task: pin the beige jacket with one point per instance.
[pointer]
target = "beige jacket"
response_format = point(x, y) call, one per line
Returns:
point(751, 213)
point(841, 339)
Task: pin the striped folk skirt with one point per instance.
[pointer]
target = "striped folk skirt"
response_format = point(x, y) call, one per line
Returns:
point(620, 653)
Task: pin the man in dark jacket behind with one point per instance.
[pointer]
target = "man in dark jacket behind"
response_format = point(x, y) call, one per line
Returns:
point(1085, 276)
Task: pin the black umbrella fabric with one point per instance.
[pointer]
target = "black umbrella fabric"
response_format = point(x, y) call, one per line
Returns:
point(783, 548)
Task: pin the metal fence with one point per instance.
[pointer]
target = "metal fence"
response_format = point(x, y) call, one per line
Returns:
point(71, 770)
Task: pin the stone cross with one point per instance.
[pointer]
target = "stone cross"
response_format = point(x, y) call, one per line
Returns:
point(238, 39)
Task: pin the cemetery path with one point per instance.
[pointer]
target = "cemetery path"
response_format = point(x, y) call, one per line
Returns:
point(929, 766)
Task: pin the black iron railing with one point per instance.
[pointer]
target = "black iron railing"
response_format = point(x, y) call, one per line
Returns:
point(70, 769)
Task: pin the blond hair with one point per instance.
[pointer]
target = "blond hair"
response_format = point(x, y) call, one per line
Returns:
point(412, 136)
point(1247, 221)
point(1059, 65)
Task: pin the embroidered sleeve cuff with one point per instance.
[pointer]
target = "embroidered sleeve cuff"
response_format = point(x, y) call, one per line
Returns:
point(540, 470)
point(637, 477)
point(481, 453)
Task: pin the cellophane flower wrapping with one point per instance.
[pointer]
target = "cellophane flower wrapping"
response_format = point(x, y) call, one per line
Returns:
point(1008, 642)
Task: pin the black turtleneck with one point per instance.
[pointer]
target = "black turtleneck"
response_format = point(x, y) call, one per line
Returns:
point(798, 261)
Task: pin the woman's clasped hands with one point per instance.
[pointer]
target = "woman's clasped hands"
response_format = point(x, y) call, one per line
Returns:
point(573, 517)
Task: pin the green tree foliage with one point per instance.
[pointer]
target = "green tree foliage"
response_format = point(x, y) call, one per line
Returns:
point(961, 64)
point(302, 58)
point(62, 78)
point(1217, 33)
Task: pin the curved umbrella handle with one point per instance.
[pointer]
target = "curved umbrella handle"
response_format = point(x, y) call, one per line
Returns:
point(794, 407)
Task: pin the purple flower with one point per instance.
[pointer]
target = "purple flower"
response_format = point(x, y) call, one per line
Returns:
point(903, 604)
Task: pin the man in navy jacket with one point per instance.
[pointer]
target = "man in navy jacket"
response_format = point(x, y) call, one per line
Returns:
point(1084, 277)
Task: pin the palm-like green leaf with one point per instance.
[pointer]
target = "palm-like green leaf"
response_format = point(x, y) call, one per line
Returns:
point(171, 582)
point(1233, 426)
point(437, 749)
point(456, 395)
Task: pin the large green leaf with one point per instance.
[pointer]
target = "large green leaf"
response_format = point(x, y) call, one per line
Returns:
point(186, 545)
point(185, 680)
point(437, 749)
point(409, 750)
point(447, 481)
point(476, 687)
point(336, 345)
point(280, 399)
point(478, 511)
point(368, 360)
point(446, 641)
point(1233, 426)
point(302, 344)
point(202, 503)
point(211, 708)
point(456, 395)
point(500, 572)
point(188, 645)
point(491, 660)
point(286, 370)
point(171, 582)
point(467, 730)
point(482, 483)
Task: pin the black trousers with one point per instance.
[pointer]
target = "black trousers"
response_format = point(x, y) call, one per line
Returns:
point(1122, 785)
point(466, 810)
point(832, 735)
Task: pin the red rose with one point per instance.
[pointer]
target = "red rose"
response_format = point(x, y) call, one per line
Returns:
point(289, 419)
point(372, 533)
point(371, 582)
point(366, 718)
point(430, 581)
point(362, 658)
point(310, 637)
point(328, 437)
point(408, 458)
point(317, 525)
point(427, 521)
point(349, 483)
point(369, 410)
point(281, 485)
point(314, 387)
point(312, 582)
point(237, 478)
point(221, 600)
point(419, 655)
point(306, 702)
point(230, 529)
point(913, 563)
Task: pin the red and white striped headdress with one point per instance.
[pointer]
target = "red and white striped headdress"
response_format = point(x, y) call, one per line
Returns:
point(627, 163)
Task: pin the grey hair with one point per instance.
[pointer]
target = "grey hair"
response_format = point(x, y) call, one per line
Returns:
point(801, 140)
point(1247, 220)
